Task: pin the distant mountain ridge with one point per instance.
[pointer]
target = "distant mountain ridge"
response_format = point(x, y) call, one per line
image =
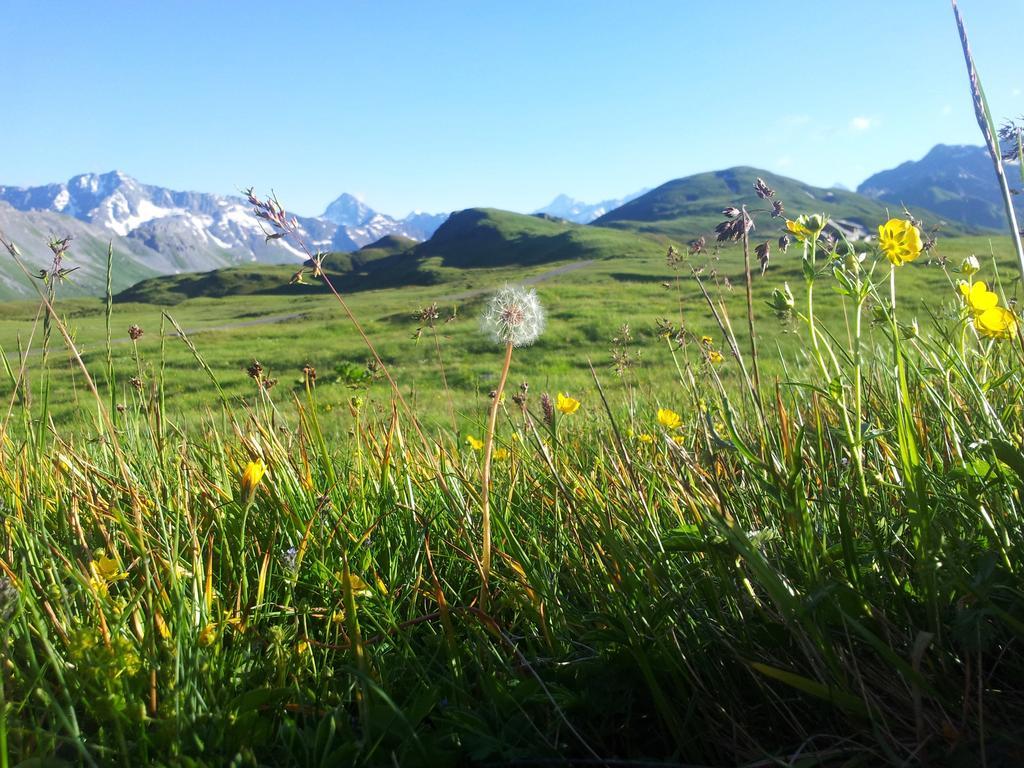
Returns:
point(570, 209)
point(202, 230)
point(956, 181)
point(363, 225)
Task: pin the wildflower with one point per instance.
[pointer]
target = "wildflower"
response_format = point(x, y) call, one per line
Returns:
point(473, 443)
point(567, 405)
point(715, 357)
point(970, 265)
point(806, 228)
point(669, 419)
point(356, 584)
point(302, 647)
point(678, 439)
point(289, 558)
point(996, 323)
point(134, 332)
point(645, 437)
point(514, 316)
point(105, 571)
point(978, 297)
point(251, 478)
point(208, 634)
point(990, 320)
point(706, 341)
point(500, 454)
point(900, 241)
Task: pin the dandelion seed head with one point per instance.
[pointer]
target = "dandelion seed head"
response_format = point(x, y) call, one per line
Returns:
point(514, 316)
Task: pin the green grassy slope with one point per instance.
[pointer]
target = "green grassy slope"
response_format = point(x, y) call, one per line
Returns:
point(476, 238)
point(692, 206)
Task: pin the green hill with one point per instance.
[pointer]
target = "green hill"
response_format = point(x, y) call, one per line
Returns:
point(378, 265)
point(477, 238)
point(692, 206)
point(485, 237)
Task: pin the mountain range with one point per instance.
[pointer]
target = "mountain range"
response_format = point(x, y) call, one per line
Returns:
point(157, 231)
point(957, 182)
point(578, 212)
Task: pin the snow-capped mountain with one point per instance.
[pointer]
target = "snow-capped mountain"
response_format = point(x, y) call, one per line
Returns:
point(360, 225)
point(193, 229)
point(197, 231)
point(565, 207)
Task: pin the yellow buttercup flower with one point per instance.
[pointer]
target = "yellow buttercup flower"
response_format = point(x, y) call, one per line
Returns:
point(566, 404)
point(251, 478)
point(356, 583)
point(500, 454)
point(645, 437)
point(798, 229)
point(978, 297)
point(807, 227)
point(105, 571)
point(996, 323)
point(473, 443)
point(715, 357)
point(669, 419)
point(900, 241)
point(706, 341)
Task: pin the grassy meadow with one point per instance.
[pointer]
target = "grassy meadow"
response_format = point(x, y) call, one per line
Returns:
point(683, 568)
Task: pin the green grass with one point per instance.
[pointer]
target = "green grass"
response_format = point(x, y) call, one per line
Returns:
point(832, 576)
point(586, 309)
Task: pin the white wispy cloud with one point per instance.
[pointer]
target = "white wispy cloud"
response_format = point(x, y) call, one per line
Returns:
point(861, 123)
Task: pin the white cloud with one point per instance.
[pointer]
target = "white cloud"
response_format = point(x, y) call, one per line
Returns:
point(861, 123)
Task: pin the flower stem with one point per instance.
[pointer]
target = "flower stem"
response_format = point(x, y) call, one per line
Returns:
point(485, 556)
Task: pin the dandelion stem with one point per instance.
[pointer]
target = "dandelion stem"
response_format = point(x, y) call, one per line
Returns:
point(485, 557)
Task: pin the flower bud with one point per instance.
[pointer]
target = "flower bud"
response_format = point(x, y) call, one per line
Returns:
point(970, 265)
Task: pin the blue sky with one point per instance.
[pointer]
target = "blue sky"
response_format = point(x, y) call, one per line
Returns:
point(445, 105)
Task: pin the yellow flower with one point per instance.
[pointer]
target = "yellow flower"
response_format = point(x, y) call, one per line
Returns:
point(669, 419)
point(500, 454)
point(645, 437)
point(473, 443)
point(706, 341)
point(996, 323)
point(715, 357)
point(302, 647)
point(678, 439)
point(566, 404)
point(251, 478)
point(356, 584)
point(806, 227)
point(105, 571)
point(900, 241)
point(978, 297)
point(208, 634)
